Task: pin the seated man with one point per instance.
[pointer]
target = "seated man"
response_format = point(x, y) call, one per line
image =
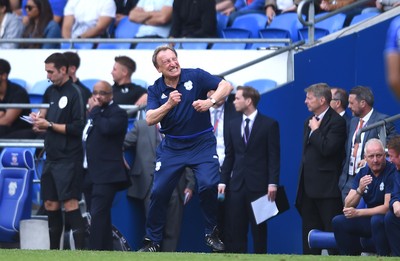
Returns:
point(154, 17)
point(374, 184)
point(392, 218)
point(87, 19)
point(11, 126)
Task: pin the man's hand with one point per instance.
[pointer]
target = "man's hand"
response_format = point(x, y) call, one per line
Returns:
point(314, 123)
point(202, 105)
point(174, 98)
point(272, 190)
point(350, 212)
point(396, 209)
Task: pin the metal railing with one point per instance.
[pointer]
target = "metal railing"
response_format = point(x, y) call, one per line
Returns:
point(72, 41)
point(382, 131)
point(311, 15)
point(39, 143)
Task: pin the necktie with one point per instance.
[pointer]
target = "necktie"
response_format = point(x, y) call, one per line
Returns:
point(246, 131)
point(356, 144)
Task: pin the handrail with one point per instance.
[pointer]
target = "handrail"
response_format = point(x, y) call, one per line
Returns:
point(72, 41)
point(382, 132)
point(262, 58)
point(311, 15)
point(130, 108)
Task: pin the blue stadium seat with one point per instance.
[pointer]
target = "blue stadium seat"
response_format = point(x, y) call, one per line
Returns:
point(77, 46)
point(90, 83)
point(36, 92)
point(331, 24)
point(222, 22)
point(283, 26)
point(318, 239)
point(262, 85)
point(230, 33)
point(324, 27)
point(194, 46)
point(363, 16)
point(140, 82)
point(318, 33)
point(252, 22)
point(125, 29)
point(19, 81)
point(16, 175)
point(149, 45)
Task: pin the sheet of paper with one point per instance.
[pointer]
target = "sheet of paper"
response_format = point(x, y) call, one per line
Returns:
point(27, 119)
point(264, 209)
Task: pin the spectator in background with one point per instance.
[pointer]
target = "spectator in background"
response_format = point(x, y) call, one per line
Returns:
point(339, 102)
point(16, 7)
point(374, 185)
point(361, 102)
point(102, 140)
point(57, 7)
point(382, 6)
point(328, 6)
point(11, 126)
point(277, 7)
point(242, 7)
point(154, 17)
point(222, 5)
point(392, 56)
point(10, 25)
point(40, 25)
point(123, 9)
point(124, 91)
point(88, 19)
point(194, 19)
point(74, 62)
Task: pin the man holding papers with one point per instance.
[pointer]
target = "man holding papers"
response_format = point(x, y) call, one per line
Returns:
point(250, 171)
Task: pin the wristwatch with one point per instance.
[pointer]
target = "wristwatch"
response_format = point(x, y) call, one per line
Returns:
point(212, 100)
point(50, 125)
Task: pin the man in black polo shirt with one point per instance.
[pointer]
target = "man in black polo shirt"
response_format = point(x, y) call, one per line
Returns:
point(124, 91)
point(11, 126)
point(62, 174)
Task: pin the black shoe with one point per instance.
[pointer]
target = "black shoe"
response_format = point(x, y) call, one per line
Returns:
point(150, 246)
point(214, 242)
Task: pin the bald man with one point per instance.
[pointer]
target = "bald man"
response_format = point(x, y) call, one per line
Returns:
point(103, 139)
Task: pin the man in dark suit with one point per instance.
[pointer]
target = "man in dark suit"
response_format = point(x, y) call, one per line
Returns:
point(318, 197)
point(221, 114)
point(103, 138)
point(250, 170)
point(339, 102)
point(145, 139)
point(361, 102)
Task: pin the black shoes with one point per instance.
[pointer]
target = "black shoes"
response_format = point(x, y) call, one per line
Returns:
point(150, 246)
point(214, 242)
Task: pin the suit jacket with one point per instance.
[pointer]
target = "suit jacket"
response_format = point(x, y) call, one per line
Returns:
point(104, 145)
point(256, 164)
point(144, 139)
point(323, 154)
point(346, 180)
point(229, 113)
